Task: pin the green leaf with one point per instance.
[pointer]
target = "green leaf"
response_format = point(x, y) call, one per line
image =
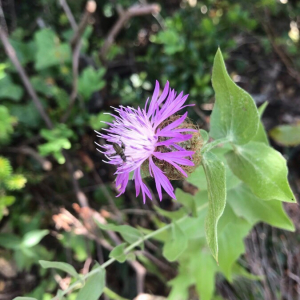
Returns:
point(90, 81)
point(176, 244)
point(261, 135)
point(246, 205)
point(60, 266)
point(15, 182)
point(216, 184)
point(50, 51)
point(286, 135)
point(6, 124)
point(119, 253)
point(33, 237)
point(10, 241)
point(235, 114)
point(5, 168)
point(128, 233)
point(9, 90)
point(204, 135)
point(263, 169)
point(230, 241)
point(204, 269)
point(93, 287)
point(97, 121)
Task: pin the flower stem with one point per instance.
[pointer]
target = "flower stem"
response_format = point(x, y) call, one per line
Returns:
point(214, 144)
point(78, 283)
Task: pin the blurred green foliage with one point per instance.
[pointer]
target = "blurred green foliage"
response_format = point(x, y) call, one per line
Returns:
point(179, 46)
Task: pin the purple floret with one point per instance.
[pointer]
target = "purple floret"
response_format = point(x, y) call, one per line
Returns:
point(138, 131)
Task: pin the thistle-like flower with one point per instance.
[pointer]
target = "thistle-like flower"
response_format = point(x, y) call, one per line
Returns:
point(152, 140)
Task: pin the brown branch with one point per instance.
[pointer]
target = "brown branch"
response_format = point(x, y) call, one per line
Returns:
point(76, 45)
point(124, 16)
point(90, 8)
point(187, 187)
point(11, 53)
point(46, 164)
point(69, 14)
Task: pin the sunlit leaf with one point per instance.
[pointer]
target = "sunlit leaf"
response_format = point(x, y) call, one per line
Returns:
point(235, 114)
point(263, 169)
point(60, 266)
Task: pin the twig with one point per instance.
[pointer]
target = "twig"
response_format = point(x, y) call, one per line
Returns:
point(73, 96)
point(69, 14)
point(133, 11)
point(76, 45)
point(46, 164)
point(2, 18)
point(13, 57)
point(187, 187)
point(90, 8)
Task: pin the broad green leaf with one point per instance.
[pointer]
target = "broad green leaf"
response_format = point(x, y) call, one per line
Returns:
point(176, 244)
point(172, 215)
point(119, 253)
point(50, 51)
point(10, 241)
point(180, 286)
point(90, 81)
point(216, 186)
point(286, 135)
point(33, 237)
point(246, 205)
point(235, 114)
point(198, 179)
point(230, 240)
point(129, 234)
point(60, 266)
point(93, 287)
point(9, 90)
point(187, 200)
point(204, 269)
point(263, 169)
point(261, 135)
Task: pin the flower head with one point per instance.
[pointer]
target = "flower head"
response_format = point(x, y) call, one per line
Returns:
point(150, 139)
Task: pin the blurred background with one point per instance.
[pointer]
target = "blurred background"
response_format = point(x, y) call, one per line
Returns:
point(82, 57)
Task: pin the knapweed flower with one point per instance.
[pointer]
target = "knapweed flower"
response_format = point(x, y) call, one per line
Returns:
point(153, 140)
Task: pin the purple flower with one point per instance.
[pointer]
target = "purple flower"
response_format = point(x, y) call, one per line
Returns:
point(142, 138)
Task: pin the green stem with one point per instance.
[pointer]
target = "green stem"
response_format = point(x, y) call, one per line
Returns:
point(214, 144)
point(78, 283)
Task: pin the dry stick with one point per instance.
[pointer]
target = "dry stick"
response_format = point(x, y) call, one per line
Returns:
point(90, 8)
point(76, 45)
point(133, 11)
point(2, 18)
point(13, 57)
point(69, 14)
point(46, 164)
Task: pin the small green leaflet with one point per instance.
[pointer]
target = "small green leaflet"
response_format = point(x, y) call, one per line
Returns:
point(216, 186)
point(93, 287)
point(235, 114)
point(263, 169)
point(286, 135)
point(128, 233)
point(33, 237)
point(118, 253)
point(176, 244)
point(246, 205)
point(60, 266)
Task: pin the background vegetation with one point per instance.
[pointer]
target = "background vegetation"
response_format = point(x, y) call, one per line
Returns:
point(82, 58)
